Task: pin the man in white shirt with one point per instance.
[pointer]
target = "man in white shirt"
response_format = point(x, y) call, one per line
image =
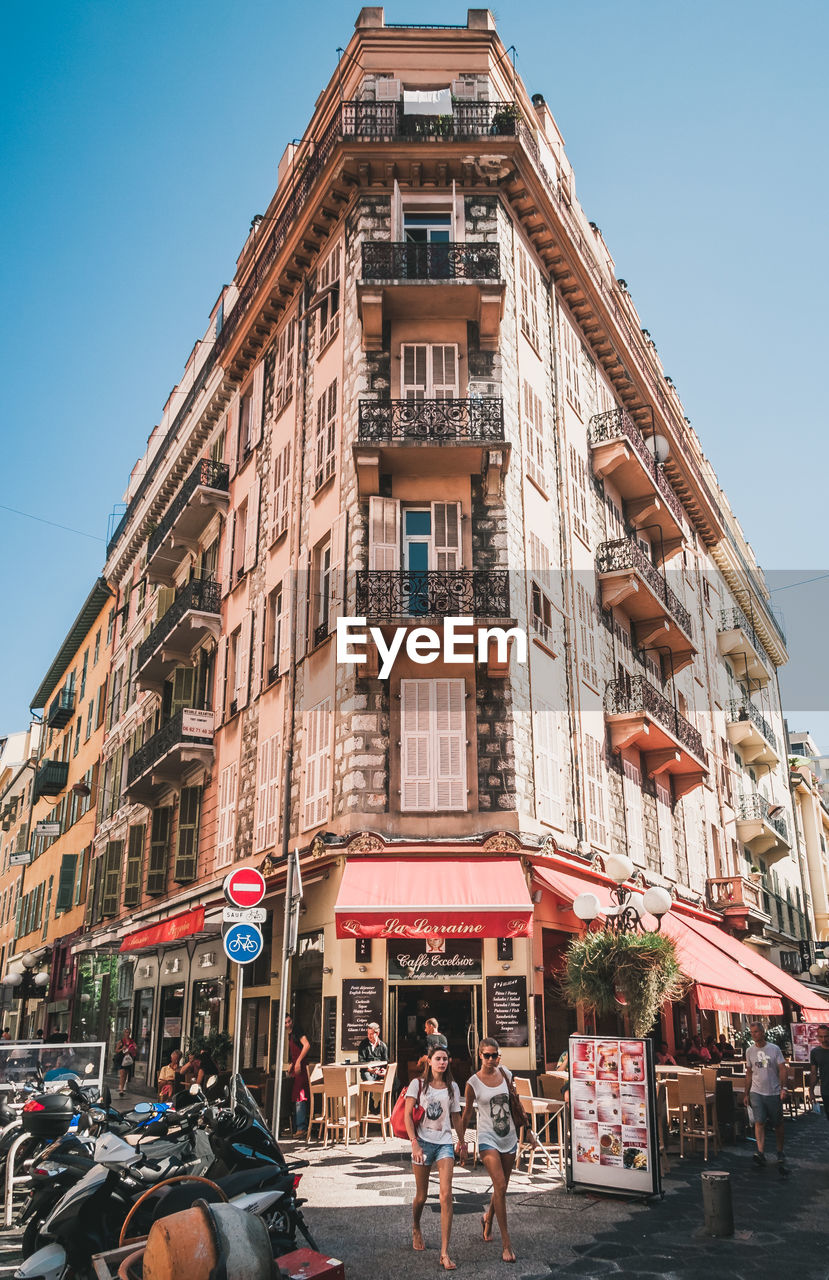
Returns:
point(766, 1075)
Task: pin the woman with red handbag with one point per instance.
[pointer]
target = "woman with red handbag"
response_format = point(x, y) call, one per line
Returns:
point(433, 1111)
point(490, 1089)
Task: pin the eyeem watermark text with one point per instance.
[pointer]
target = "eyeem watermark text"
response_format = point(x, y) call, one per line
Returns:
point(454, 642)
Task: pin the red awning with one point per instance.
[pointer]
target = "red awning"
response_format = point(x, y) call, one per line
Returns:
point(782, 982)
point(565, 886)
point(172, 930)
point(432, 897)
point(719, 982)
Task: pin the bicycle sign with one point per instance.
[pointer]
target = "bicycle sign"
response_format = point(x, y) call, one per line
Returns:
point(243, 943)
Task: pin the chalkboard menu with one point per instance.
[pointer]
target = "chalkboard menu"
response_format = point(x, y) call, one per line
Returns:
point(329, 1029)
point(540, 1055)
point(362, 1004)
point(506, 1011)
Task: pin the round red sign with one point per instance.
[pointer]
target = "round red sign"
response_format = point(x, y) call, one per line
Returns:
point(245, 887)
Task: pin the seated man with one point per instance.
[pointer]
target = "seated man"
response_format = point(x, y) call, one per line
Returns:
point(371, 1049)
point(664, 1056)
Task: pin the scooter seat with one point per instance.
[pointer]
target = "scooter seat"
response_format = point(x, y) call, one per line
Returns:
point(237, 1184)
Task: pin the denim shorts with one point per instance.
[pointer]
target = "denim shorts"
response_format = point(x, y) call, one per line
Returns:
point(486, 1146)
point(767, 1108)
point(433, 1151)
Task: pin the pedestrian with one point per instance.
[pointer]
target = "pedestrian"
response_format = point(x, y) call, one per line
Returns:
point(766, 1075)
point(435, 1039)
point(124, 1059)
point(299, 1047)
point(497, 1136)
point(7, 1035)
point(432, 1138)
point(819, 1066)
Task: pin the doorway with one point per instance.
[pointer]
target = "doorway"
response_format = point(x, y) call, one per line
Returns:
point(458, 1011)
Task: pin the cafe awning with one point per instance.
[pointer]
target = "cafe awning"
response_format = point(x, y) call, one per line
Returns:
point(719, 982)
point(172, 930)
point(433, 897)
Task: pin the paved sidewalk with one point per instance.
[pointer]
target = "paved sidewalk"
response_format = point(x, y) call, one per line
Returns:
point(358, 1209)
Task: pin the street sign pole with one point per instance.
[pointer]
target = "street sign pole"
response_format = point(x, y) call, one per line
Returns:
point(293, 897)
point(237, 1030)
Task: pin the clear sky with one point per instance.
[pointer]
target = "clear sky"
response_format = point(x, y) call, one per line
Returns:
point(140, 140)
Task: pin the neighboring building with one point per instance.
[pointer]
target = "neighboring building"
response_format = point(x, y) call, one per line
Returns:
point(812, 821)
point(17, 769)
point(803, 748)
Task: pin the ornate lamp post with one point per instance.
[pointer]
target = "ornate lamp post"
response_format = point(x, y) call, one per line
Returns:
point(629, 906)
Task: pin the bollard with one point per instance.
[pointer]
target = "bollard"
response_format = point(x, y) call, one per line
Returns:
point(716, 1203)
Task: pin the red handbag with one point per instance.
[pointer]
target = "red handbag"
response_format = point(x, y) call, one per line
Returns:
point(398, 1115)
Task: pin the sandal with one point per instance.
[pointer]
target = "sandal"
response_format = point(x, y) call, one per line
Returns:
point(446, 1262)
point(486, 1237)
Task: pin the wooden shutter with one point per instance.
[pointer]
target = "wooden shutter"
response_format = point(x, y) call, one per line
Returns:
point(227, 552)
point(596, 829)
point(66, 881)
point(272, 796)
point(227, 809)
point(258, 648)
point(383, 533)
point(281, 493)
point(252, 524)
point(159, 851)
point(263, 768)
point(233, 436)
point(444, 373)
point(547, 768)
point(243, 661)
point(219, 677)
point(283, 658)
point(446, 534)
point(450, 744)
point(135, 857)
point(336, 601)
point(302, 605)
point(111, 877)
point(187, 848)
point(256, 404)
point(632, 791)
point(415, 745)
point(317, 764)
point(396, 214)
point(413, 371)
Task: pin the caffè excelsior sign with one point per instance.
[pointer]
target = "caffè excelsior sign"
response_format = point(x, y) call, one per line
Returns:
point(454, 642)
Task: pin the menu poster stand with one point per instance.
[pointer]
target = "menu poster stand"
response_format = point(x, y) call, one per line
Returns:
point(613, 1133)
point(804, 1040)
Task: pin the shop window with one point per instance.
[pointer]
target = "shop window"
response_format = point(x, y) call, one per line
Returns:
point(187, 850)
point(254, 1048)
point(206, 1009)
point(132, 874)
point(159, 850)
point(433, 745)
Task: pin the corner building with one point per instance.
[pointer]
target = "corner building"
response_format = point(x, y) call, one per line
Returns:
point(426, 395)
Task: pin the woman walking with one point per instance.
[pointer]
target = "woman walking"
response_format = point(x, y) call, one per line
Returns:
point(124, 1059)
point(497, 1138)
point(433, 1142)
point(299, 1047)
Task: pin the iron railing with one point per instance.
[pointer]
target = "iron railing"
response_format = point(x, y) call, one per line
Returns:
point(61, 709)
point(406, 260)
point(637, 695)
point(734, 619)
point(51, 778)
point(616, 424)
point(738, 710)
point(168, 736)
point(207, 473)
point(756, 808)
point(625, 553)
point(431, 421)
point(434, 593)
point(387, 120)
point(202, 594)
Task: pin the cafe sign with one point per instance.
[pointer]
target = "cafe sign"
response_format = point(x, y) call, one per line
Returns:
point(422, 962)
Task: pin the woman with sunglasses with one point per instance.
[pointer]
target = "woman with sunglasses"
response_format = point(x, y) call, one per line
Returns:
point(432, 1141)
point(497, 1137)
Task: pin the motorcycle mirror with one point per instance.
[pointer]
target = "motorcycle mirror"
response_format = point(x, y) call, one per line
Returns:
point(89, 1069)
point(142, 1108)
point(194, 1089)
point(212, 1081)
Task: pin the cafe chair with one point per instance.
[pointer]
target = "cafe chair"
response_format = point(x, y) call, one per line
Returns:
point(381, 1092)
point(795, 1090)
point(340, 1099)
point(697, 1113)
point(536, 1109)
point(552, 1085)
point(316, 1100)
point(709, 1075)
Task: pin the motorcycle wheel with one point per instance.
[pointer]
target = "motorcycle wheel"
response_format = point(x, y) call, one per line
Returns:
point(31, 1243)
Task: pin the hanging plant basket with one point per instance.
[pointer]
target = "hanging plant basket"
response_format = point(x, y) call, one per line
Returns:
point(636, 971)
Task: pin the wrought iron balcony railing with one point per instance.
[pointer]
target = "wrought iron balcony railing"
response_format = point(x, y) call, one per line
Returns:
point(206, 473)
point(61, 709)
point(388, 594)
point(393, 260)
point(467, 120)
point(51, 778)
point(202, 594)
point(734, 619)
point(756, 808)
point(745, 710)
point(637, 695)
point(168, 736)
point(431, 421)
point(617, 425)
point(625, 553)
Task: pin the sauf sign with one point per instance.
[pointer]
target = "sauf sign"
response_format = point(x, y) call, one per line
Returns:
point(455, 643)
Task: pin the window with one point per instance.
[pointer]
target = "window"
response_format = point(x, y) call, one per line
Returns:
point(89, 714)
point(77, 746)
point(226, 833)
point(66, 882)
point(527, 302)
point(97, 649)
point(317, 765)
point(110, 877)
point(322, 597)
point(534, 437)
point(82, 689)
point(115, 698)
point(427, 228)
point(110, 626)
point(570, 360)
point(273, 634)
point(187, 848)
point(578, 483)
point(135, 858)
point(159, 850)
point(632, 788)
point(428, 371)
point(328, 290)
point(239, 535)
point(281, 492)
point(548, 807)
point(432, 745)
point(267, 793)
point(285, 365)
point(326, 438)
point(587, 639)
point(594, 761)
point(542, 614)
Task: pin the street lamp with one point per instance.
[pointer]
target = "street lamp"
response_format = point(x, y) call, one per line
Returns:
point(629, 906)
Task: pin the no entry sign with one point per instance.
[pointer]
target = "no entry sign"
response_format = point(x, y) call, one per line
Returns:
point(245, 887)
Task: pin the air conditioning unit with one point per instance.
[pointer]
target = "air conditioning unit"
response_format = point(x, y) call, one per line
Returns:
point(465, 89)
point(387, 90)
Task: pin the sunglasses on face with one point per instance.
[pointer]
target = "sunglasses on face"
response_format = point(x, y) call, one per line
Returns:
point(490, 1055)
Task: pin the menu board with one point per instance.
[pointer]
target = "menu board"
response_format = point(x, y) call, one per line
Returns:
point(506, 1011)
point(329, 1028)
point(804, 1039)
point(613, 1134)
point(362, 1003)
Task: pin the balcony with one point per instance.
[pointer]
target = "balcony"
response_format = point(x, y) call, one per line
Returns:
point(740, 902)
point(51, 778)
point(62, 709)
point(738, 641)
point(639, 716)
point(204, 492)
point(619, 450)
point(630, 581)
point(751, 733)
point(192, 617)
point(402, 595)
point(186, 739)
point(460, 281)
point(762, 829)
point(457, 437)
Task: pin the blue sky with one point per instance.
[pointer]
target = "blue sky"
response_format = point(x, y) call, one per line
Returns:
point(140, 140)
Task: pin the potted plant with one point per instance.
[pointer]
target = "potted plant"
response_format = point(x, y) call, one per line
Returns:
point(503, 120)
point(755, 874)
point(638, 971)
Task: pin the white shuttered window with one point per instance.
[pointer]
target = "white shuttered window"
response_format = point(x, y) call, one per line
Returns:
point(632, 788)
point(429, 372)
point(226, 833)
point(433, 745)
point(547, 764)
point(267, 793)
point(594, 761)
point(534, 437)
point(317, 792)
